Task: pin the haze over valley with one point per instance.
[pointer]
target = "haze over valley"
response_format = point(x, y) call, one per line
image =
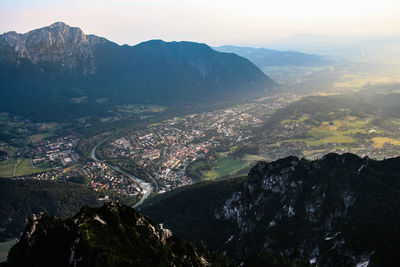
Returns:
point(279, 154)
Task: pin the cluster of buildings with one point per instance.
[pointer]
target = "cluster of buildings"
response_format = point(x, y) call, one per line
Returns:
point(49, 175)
point(103, 178)
point(165, 149)
point(61, 155)
point(56, 151)
point(284, 149)
point(99, 176)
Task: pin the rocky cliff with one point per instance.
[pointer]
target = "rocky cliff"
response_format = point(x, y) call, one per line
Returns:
point(113, 235)
point(341, 210)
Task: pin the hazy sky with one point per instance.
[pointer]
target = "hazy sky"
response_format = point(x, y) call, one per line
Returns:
point(216, 22)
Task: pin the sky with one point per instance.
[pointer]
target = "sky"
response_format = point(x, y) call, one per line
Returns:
point(215, 22)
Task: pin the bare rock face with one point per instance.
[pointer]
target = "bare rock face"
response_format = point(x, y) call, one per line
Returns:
point(113, 235)
point(57, 44)
point(340, 210)
point(17, 41)
point(318, 211)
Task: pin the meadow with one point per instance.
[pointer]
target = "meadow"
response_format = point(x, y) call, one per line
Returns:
point(228, 166)
point(379, 141)
point(17, 167)
point(252, 158)
point(223, 167)
point(36, 138)
point(337, 131)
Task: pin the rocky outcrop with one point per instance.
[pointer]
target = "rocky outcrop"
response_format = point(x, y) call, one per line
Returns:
point(113, 235)
point(57, 44)
point(340, 210)
point(317, 210)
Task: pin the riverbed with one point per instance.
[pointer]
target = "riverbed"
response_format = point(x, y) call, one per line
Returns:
point(145, 187)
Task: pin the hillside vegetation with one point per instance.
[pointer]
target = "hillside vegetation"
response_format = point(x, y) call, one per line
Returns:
point(19, 199)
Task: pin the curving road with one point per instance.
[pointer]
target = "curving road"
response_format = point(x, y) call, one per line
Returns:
point(145, 187)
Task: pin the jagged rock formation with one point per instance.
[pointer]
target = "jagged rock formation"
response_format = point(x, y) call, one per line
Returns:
point(341, 210)
point(58, 44)
point(113, 235)
point(47, 69)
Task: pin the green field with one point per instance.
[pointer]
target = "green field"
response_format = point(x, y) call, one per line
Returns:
point(135, 108)
point(361, 80)
point(153, 124)
point(3, 116)
point(223, 167)
point(5, 248)
point(51, 126)
point(106, 119)
point(17, 167)
point(225, 153)
point(208, 175)
point(83, 119)
point(79, 100)
point(201, 169)
point(337, 131)
point(102, 100)
point(338, 139)
point(252, 158)
point(228, 166)
point(380, 141)
point(36, 138)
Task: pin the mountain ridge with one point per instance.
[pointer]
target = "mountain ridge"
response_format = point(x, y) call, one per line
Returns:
point(264, 57)
point(115, 235)
point(112, 235)
point(341, 210)
point(47, 67)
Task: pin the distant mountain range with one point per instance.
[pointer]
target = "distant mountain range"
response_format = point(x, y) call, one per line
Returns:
point(47, 69)
point(264, 57)
point(374, 49)
point(341, 210)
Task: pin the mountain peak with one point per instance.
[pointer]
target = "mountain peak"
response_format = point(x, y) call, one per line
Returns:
point(59, 24)
point(58, 43)
point(58, 32)
point(112, 235)
point(67, 63)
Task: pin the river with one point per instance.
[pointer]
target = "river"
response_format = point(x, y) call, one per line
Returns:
point(145, 187)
